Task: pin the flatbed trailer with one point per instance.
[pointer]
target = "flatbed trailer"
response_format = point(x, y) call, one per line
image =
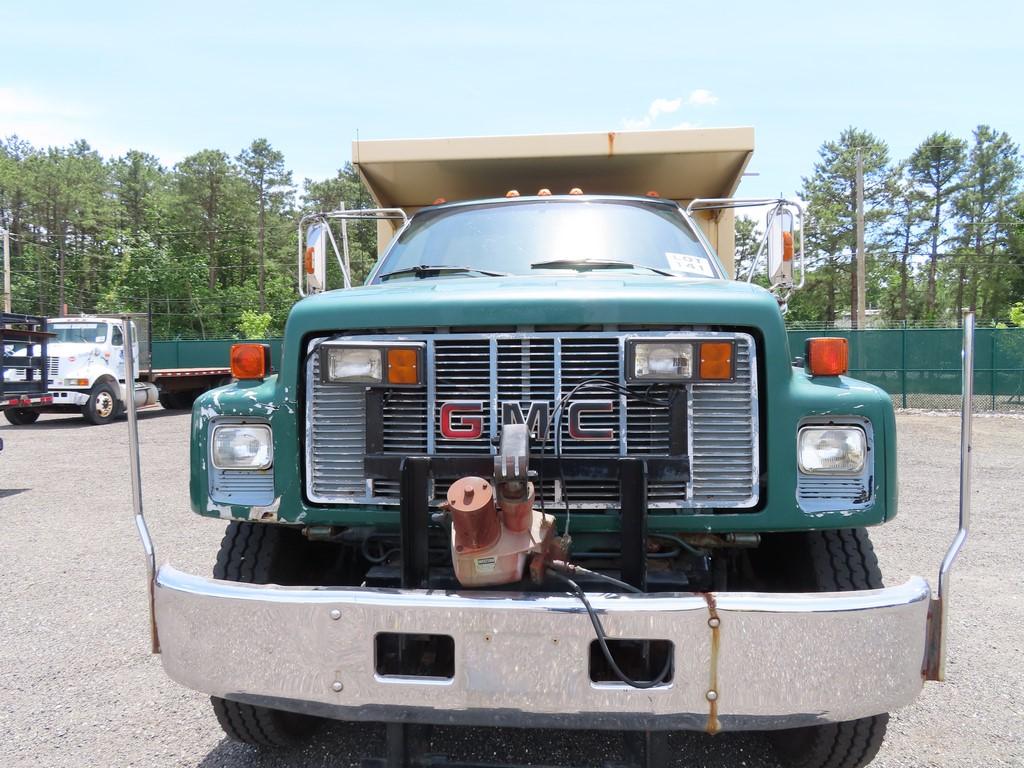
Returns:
point(179, 387)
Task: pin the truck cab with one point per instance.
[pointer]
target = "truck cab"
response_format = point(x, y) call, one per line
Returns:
point(86, 367)
point(549, 467)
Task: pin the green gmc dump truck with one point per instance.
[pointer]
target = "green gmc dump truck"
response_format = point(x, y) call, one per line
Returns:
point(550, 467)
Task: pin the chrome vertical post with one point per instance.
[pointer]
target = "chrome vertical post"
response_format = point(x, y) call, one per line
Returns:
point(136, 473)
point(938, 615)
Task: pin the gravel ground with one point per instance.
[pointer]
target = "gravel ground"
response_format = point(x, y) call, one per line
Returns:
point(79, 688)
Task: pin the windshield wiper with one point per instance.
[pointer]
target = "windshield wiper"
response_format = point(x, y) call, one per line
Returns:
point(426, 270)
point(595, 264)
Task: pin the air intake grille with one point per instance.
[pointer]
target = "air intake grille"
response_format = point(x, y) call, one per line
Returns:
point(503, 371)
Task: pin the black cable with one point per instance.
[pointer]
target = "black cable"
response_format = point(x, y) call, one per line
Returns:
point(556, 415)
point(602, 641)
point(561, 565)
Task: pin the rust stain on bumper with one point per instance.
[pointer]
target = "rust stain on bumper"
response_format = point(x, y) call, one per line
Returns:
point(714, 622)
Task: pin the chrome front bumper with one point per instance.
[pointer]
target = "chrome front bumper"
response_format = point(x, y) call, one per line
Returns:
point(773, 661)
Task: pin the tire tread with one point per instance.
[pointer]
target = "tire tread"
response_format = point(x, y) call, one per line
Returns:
point(252, 553)
point(840, 561)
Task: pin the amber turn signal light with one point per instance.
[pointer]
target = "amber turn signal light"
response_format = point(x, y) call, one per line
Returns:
point(787, 246)
point(250, 361)
point(716, 360)
point(828, 356)
point(403, 366)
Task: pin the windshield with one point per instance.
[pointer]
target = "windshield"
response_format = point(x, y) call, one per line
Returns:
point(79, 333)
point(519, 237)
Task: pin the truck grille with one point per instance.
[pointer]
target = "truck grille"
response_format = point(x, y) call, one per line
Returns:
point(525, 368)
point(52, 367)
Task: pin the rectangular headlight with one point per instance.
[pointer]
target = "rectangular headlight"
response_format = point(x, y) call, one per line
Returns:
point(830, 450)
point(242, 446)
point(394, 365)
point(355, 364)
point(659, 361)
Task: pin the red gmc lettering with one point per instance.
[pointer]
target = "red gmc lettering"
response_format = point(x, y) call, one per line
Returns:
point(457, 425)
point(576, 429)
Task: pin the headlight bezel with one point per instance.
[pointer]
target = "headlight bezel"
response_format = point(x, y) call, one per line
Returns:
point(261, 427)
point(382, 348)
point(693, 376)
point(865, 452)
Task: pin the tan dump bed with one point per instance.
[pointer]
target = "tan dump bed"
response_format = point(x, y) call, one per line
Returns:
point(677, 164)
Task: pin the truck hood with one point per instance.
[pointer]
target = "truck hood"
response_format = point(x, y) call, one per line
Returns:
point(538, 300)
point(545, 300)
point(65, 350)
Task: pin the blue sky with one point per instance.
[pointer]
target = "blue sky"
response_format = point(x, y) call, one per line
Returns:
point(173, 78)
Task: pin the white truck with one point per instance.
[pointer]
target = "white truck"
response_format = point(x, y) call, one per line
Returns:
point(85, 364)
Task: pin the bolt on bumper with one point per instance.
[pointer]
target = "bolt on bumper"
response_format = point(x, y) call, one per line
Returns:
point(742, 661)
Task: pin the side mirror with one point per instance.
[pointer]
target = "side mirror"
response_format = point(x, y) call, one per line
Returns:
point(780, 235)
point(314, 258)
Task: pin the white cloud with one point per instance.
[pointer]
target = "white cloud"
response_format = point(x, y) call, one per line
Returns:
point(701, 97)
point(658, 108)
point(663, 107)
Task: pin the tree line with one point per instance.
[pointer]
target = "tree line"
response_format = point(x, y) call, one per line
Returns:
point(944, 230)
point(209, 246)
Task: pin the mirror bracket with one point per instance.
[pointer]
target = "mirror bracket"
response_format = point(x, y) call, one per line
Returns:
point(773, 241)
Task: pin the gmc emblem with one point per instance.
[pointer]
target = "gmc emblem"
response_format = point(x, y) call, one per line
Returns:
point(464, 419)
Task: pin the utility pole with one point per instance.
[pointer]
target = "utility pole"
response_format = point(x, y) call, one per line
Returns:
point(861, 312)
point(7, 271)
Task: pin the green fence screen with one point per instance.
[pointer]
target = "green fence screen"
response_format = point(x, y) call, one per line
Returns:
point(918, 367)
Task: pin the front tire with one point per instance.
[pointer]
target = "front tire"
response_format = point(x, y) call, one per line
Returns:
point(103, 405)
point(21, 417)
point(823, 561)
point(255, 553)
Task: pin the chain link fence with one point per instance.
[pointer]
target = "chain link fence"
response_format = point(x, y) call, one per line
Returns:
point(921, 367)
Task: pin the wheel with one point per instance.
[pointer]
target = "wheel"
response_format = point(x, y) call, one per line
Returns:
point(824, 561)
point(103, 405)
point(20, 417)
point(262, 554)
point(261, 726)
point(170, 401)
